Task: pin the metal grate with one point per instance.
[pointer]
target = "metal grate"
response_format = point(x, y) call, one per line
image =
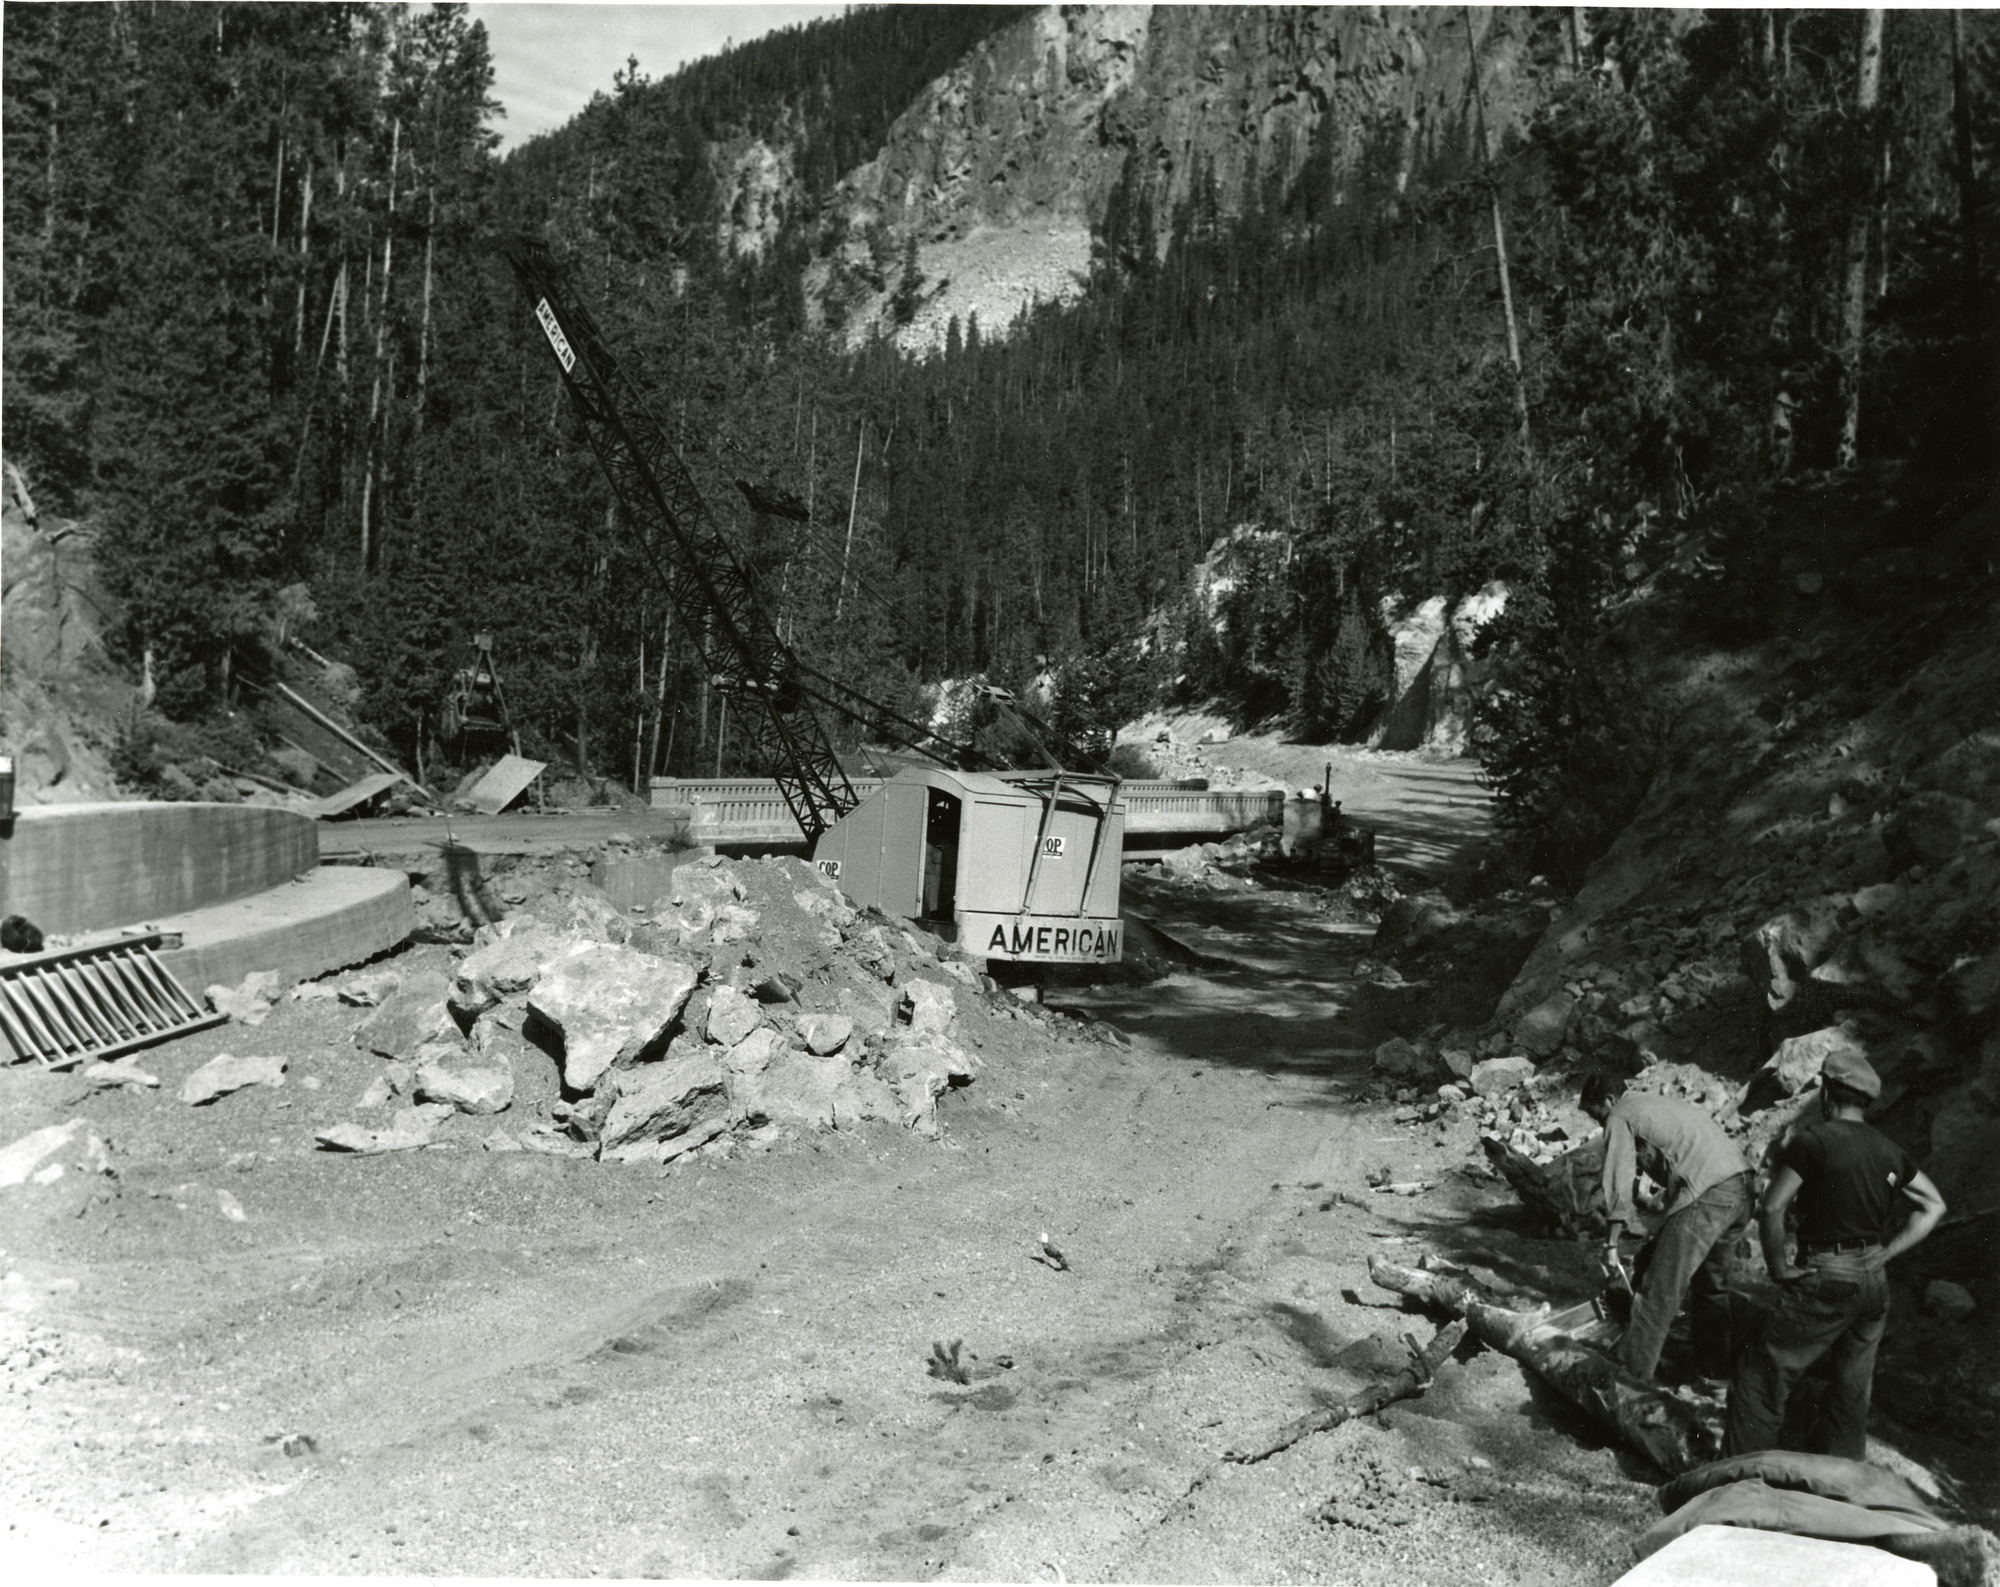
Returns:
point(76, 1003)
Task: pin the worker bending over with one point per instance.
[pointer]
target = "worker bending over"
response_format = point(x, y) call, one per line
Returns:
point(1849, 1182)
point(1707, 1182)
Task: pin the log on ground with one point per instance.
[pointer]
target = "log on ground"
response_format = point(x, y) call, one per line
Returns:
point(1406, 1384)
point(1665, 1430)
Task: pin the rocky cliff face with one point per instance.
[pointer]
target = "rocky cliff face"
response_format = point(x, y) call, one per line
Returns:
point(1438, 679)
point(56, 697)
point(1002, 168)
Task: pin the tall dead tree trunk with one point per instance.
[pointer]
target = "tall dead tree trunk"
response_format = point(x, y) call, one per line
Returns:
point(305, 257)
point(368, 548)
point(1854, 305)
point(340, 296)
point(1499, 240)
point(853, 498)
point(639, 713)
point(424, 336)
point(660, 700)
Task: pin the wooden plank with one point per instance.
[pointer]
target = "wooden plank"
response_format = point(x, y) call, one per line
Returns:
point(509, 777)
point(293, 697)
point(357, 793)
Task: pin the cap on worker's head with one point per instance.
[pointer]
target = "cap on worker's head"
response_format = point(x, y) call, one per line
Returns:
point(1848, 1068)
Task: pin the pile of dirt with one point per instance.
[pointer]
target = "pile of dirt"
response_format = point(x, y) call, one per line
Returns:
point(750, 1001)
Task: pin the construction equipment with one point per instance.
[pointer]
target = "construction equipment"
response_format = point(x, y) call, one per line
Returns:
point(1038, 852)
point(476, 708)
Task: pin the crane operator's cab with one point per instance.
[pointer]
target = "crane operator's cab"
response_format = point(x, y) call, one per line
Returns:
point(1013, 866)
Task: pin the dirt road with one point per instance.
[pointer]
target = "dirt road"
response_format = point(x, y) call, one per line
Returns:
point(242, 1354)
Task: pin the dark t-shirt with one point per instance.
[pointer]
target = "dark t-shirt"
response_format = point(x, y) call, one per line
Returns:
point(1854, 1177)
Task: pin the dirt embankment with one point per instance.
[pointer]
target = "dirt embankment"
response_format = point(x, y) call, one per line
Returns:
point(1816, 864)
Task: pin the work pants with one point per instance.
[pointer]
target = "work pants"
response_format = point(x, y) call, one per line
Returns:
point(1689, 1260)
point(1841, 1306)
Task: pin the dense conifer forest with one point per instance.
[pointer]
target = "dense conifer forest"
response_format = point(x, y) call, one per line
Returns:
point(257, 325)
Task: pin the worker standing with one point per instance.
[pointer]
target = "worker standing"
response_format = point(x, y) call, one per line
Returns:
point(1707, 1182)
point(1848, 1180)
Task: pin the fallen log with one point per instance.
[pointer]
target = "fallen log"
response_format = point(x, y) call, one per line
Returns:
point(1411, 1381)
point(1664, 1429)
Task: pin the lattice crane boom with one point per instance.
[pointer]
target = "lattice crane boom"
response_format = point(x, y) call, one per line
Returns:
point(711, 590)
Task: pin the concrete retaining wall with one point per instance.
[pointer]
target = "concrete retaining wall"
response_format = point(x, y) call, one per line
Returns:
point(71, 868)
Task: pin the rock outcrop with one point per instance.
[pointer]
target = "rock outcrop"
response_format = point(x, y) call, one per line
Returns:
point(1004, 166)
point(1438, 679)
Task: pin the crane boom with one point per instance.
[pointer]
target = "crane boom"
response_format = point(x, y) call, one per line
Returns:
point(711, 590)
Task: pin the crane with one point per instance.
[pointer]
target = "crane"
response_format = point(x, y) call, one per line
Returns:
point(992, 856)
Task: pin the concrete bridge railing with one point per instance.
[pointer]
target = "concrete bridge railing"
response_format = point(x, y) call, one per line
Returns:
point(752, 810)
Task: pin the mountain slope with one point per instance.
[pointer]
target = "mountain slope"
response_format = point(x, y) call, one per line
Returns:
point(1003, 167)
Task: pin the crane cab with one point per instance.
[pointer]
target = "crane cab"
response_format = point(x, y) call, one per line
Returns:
point(1014, 866)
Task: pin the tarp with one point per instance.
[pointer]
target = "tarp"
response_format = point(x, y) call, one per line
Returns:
point(1852, 1481)
point(1757, 1504)
point(507, 781)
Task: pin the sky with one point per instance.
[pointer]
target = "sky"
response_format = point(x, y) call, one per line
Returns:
point(549, 59)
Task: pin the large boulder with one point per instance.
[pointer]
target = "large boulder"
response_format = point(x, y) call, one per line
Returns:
point(408, 1017)
point(1415, 919)
point(448, 1072)
point(1498, 1077)
point(1973, 991)
point(506, 968)
point(409, 1129)
point(582, 910)
point(825, 1034)
point(1969, 769)
point(1542, 1028)
point(769, 1081)
point(1928, 828)
point(931, 1008)
point(1798, 1061)
point(1787, 948)
point(226, 1073)
point(921, 1071)
point(659, 1102)
point(610, 1005)
point(699, 889)
point(732, 1015)
point(1415, 638)
point(1964, 1158)
point(1398, 1059)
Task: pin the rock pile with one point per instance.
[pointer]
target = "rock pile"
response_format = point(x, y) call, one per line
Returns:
point(749, 999)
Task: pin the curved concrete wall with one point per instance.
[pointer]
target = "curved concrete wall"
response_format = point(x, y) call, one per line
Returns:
point(71, 868)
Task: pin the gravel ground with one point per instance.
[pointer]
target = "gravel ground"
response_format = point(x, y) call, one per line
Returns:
point(239, 1354)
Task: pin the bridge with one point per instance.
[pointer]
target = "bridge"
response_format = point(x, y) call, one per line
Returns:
point(1158, 815)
